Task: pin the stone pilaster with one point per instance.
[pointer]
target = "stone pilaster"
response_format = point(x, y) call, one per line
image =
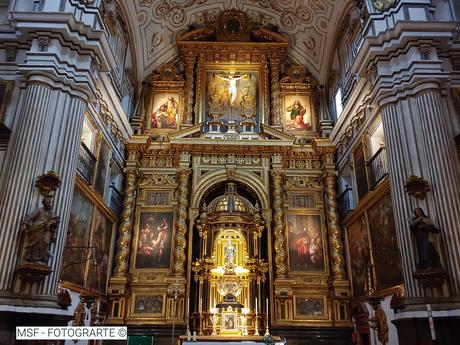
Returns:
point(420, 142)
point(46, 137)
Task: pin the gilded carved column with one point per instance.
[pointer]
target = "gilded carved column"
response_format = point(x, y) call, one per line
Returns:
point(181, 228)
point(126, 223)
point(278, 224)
point(275, 91)
point(189, 85)
point(335, 241)
point(326, 150)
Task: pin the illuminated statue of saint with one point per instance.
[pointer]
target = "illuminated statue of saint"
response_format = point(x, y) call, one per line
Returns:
point(232, 91)
point(229, 255)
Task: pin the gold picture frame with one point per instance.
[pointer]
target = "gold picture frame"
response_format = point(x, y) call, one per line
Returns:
point(150, 304)
point(135, 246)
point(312, 256)
point(254, 69)
point(310, 307)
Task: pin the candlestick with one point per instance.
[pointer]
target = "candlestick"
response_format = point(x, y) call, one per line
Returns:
point(267, 332)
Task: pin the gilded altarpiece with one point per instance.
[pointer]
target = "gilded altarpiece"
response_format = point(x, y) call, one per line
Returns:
point(246, 215)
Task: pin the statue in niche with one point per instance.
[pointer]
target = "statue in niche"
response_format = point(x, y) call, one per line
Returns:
point(39, 230)
point(229, 256)
point(425, 234)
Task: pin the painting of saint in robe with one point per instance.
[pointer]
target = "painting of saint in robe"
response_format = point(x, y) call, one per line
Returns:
point(305, 243)
point(358, 245)
point(74, 258)
point(100, 252)
point(297, 113)
point(154, 240)
point(165, 111)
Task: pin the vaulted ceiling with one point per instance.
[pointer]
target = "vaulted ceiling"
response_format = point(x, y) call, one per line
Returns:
point(309, 24)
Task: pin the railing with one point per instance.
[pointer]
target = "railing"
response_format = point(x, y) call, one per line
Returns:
point(86, 163)
point(116, 199)
point(345, 202)
point(377, 167)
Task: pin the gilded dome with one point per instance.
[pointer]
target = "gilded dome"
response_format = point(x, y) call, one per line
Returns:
point(230, 202)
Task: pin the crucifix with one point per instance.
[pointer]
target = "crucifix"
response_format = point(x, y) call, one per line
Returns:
point(231, 79)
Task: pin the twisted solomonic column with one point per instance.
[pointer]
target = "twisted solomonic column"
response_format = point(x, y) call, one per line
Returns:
point(189, 84)
point(275, 91)
point(181, 227)
point(335, 241)
point(126, 224)
point(278, 224)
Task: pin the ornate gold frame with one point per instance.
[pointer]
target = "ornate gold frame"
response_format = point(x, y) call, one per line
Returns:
point(165, 81)
point(147, 293)
point(309, 212)
point(136, 239)
point(201, 87)
point(301, 93)
point(324, 316)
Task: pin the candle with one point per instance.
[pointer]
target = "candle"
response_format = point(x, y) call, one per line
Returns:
point(188, 306)
point(98, 307)
point(256, 305)
point(267, 307)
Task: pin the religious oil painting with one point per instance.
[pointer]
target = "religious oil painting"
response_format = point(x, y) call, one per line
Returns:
point(148, 305)
point(99, 252)
point(305, 243)
point(385, 246)
point(231, 96)
point(74, 258)
point(309, 307)
point(228, 322)
point(154, 239)
point(298, 112)
point(358, 245)
point(165, 112)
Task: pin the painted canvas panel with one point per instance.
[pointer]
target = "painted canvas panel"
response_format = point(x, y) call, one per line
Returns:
point(384, 243)
point(74, 258)
point(154, 240)
point(309, 307)
point(165, 110)
point(298, 113)
point(148, 305)
point(305, 243)
point(232, 94)
point(358, 245)
point(100, 252)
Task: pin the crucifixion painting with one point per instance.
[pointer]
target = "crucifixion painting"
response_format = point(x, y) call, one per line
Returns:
point(231, 79)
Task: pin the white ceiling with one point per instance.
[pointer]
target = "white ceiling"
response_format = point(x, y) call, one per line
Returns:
point(309, 24)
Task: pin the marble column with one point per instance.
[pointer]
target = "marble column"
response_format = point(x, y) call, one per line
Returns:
point(419, 141)
point(281, 269)
point(275, 91)
point(46, 136)
point(181, 227)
